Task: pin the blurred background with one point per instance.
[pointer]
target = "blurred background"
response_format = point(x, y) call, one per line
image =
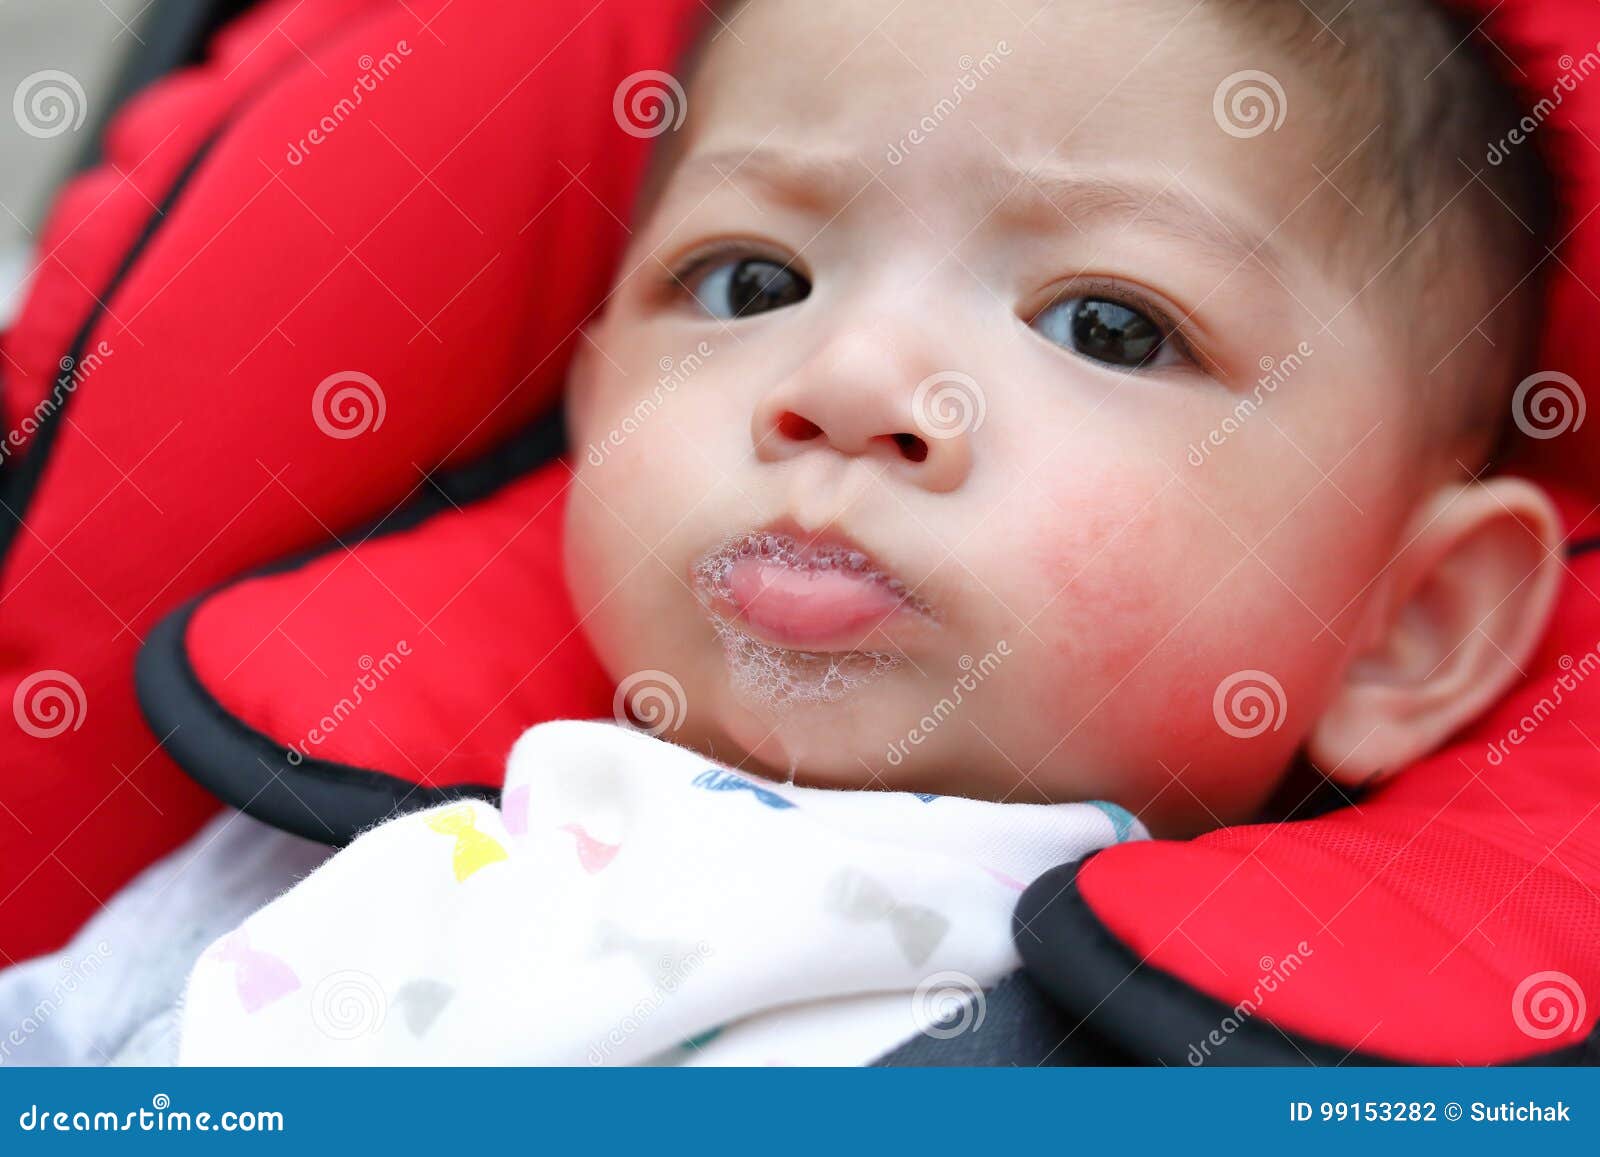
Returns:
point(65, 65)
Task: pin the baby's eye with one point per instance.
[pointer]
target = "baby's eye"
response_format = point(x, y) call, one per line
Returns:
point(1104, 330)
point(746, 286)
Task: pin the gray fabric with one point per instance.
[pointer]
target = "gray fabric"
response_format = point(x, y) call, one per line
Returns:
point(154, 1045)
point(106, 996)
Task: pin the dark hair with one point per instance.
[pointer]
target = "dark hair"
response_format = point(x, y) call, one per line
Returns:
point(1416, 97)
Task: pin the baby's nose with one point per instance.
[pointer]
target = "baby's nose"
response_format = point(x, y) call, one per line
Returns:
point(859, 398)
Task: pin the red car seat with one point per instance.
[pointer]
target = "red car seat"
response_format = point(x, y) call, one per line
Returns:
point(311, 278)
point(419, 274)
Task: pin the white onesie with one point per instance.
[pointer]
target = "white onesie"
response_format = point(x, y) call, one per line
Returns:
point(633, 903)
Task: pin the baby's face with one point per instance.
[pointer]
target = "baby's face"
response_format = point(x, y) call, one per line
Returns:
point(977, 414)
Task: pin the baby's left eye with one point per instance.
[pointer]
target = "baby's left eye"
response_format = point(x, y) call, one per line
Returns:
point(745, 286)
point(1104, 331)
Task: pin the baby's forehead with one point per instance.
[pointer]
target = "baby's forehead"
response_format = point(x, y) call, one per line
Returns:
point(1091, 110)
point(844, 51)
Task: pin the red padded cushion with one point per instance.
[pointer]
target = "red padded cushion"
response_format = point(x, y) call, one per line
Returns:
point(445, 238)
point(448, 638)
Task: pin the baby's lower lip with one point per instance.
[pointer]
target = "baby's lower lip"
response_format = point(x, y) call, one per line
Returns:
point(796, 605)
point(821, 597)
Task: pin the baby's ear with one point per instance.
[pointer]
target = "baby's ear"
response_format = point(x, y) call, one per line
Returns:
point(1457, 616)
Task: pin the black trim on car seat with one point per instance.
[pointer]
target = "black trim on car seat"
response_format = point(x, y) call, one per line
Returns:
point(172, 34)
point(319, 799)
point(20, 480)
point(1157, 1017)
point(1587, 546)
point(20, 477)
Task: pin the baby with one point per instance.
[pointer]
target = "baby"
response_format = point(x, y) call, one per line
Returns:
point(1081, 402)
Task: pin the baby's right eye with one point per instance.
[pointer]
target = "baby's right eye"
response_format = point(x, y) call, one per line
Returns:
point(744, 286)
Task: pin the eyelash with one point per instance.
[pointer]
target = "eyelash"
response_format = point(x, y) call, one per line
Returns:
point(681, 278)
point(1118, 293)
point(680, 287)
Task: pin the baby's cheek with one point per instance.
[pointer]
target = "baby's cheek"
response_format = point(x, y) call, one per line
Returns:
point(1134, 608)
point(1100, 585)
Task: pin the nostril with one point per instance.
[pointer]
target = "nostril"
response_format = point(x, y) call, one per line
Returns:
point(913, 448)
point(792, 425)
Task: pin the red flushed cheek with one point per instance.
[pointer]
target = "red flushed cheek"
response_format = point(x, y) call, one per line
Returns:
point(1098, 571)
point(1115, 606)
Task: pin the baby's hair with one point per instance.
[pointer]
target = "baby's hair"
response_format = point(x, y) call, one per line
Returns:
point(1418, 102)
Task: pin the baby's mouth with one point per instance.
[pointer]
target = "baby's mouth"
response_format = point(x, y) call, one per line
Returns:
point(822, 595)
point(795, 616)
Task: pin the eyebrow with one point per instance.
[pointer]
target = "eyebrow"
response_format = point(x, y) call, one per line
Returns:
point(804, 180)
point(1078, 197)
point(1059, 196)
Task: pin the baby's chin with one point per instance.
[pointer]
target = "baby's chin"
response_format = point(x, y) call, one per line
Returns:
point(813, 742)
point(777, 681)
point(818, 720)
